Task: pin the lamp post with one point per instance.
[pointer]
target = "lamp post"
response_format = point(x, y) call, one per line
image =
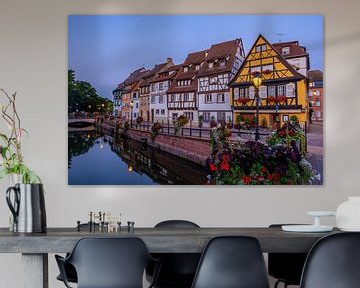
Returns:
point(257, 82)
point(131, 116)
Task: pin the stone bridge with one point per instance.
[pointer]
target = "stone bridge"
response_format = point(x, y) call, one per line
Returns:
point(81, 120)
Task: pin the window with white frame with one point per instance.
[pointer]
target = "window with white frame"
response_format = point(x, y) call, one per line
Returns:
point(161, 99)
point(290, 90)
point(157, 111)
point(211, 64)
point(197, 67)
point(212, 80)
point(152, 99)
point(153, 87)
point(186, 97)
point(255, 69)
point(222, 63)
point(318, 103)
point(186, 69)
point(246, 93)
point(267, 68)
point(236, 93)
point(189, 115)
point(318, 114)
point(262, 92)
point(271, 91)
point(162, 111)
point(285, 50)
point(161, 86)
point(251, 92)
point(221, 116)
point(281, 90)
point(208, 98)
point(206, 117)
point(221, 98)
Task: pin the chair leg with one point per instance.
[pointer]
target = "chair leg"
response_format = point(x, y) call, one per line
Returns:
point(278, 282)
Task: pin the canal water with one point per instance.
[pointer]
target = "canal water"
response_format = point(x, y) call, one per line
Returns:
point(95, 158)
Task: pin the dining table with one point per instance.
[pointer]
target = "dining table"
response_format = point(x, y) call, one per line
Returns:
point(35, 247)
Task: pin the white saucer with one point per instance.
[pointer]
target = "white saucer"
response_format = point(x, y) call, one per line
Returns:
point(306, 228)
point(321, 213)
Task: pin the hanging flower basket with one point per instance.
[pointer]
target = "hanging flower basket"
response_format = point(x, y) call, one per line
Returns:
point(244, 100)
point(272, 99)
point(267, 72)
point(281, 99)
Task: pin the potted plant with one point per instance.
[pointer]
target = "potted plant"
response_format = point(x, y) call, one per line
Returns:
point(28, 200)
point(12, 161)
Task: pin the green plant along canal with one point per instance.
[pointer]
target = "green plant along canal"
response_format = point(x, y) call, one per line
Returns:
point(98, 159)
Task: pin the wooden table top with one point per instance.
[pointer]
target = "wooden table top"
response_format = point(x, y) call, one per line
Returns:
point(158, 240)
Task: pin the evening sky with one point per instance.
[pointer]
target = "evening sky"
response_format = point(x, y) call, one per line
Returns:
point(104, 49)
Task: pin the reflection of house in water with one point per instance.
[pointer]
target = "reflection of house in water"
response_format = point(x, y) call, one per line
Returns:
point(162, 167)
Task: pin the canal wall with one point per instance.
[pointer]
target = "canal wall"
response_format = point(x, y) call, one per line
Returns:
point(195, 150)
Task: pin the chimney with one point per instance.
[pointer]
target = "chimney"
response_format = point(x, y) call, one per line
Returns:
point(169, 59)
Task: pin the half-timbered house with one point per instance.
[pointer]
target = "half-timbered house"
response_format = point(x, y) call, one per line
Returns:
point(182, 94)
point(282, 93)
point(222, 62)
point(131, 92)
point(295, 54)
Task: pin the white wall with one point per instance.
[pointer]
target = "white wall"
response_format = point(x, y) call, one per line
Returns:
point(33, 62)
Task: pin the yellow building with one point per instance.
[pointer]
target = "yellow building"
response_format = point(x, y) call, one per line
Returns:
point(282, 93)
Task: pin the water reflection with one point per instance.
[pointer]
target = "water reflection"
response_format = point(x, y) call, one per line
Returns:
point(98, 159)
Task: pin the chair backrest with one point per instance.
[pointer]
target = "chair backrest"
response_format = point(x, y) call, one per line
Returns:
point(177, 268)
point(176, 224)
point(110, 262)
point(232, 262)
point(286, 266)
point(333, 262)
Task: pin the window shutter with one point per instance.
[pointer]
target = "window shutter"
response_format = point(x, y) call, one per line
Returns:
point(290, 90)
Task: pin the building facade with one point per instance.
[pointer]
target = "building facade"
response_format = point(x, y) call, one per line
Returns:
point(295, 54)
point(316, 95)
point(182, 94)
point(283, 93)
point(221, 63)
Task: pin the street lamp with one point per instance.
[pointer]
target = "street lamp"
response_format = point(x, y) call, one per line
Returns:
point(257, 82)
point(131, 116)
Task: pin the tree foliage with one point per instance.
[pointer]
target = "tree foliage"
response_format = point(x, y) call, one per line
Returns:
point(83, 97)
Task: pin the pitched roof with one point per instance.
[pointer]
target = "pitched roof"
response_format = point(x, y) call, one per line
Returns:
point(220, 51)
point(296, 74)
point(315, 75)
point(295, 49)
point(135, 76)
point(190, 62)
point(166, 74)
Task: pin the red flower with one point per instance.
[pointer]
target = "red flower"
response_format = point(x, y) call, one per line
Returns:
point(263, 169)
point(282, 133)
point(269, 177)
point(276, 176)
point(213, 167)
point(225, 158)
point(246, 179)
point(225, 166)
point(291, 132)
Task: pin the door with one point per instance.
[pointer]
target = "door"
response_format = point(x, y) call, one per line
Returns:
point(152, 115)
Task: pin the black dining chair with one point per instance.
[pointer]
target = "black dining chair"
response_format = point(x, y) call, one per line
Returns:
point(232, 262)
point(70, 271)
point(286, 267)
point(333, 262)
point(178, 269)
point(108, 263)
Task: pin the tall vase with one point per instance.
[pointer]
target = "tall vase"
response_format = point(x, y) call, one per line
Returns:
point(348, 214)
point(13, 179)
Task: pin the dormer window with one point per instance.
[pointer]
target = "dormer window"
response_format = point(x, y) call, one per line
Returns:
point(285, 50)
point(222, 63)
point(197, 67)
point(211, 64)
point(186, 69)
